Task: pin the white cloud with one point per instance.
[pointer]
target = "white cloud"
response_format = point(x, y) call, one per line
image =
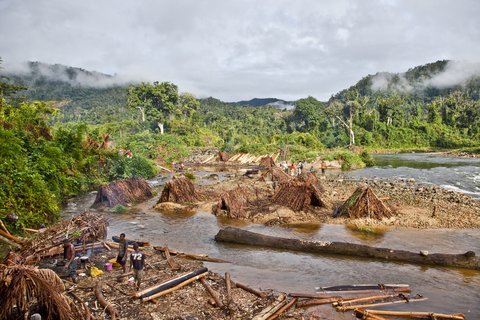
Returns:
point(240, 49)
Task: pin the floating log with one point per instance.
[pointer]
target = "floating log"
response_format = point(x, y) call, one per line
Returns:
point(235, 235)
point(104, 303)
point(212, 292)
point(131, 242)
point(363, 306)
point(431, 315)
point(271, 309)
point(178, 286)
point(170, 283)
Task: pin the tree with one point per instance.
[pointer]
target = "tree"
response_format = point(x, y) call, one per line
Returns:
point(157, 102)
point(307, 114)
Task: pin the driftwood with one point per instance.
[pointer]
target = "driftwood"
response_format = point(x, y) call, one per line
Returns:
point(212, 292)
point(235, 235)
point(363, 203)
point(179, 190)
point(123, 192)
point(104, 303)
point(271, 309)
point(431, 315)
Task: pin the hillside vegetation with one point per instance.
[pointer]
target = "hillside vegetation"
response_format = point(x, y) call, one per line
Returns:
point(61, 134)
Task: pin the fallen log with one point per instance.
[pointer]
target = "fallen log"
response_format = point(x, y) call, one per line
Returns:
point(401, 290)
point(251, 290)
point(170, 283)
point(371, 298)
point(173, 265)
point(431, 315)
point(228, 283)
point(363, 314)
point(235, 235)
point(104, 303)
point(178, 286)
point(283, 309)
point(316, 302)
point(271, 309)
point(364, 287)
point(192, 256)
point(212, 292)
point(363, 306)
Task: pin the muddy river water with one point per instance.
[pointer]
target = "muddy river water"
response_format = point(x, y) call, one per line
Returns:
point(448, 290)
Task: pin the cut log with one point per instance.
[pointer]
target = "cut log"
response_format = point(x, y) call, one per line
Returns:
point(354, 287)
point(229, 287)
point(173, 265)
point(371, 298)
point(271, 309)
point(104, 303)
point(170, 283)
point(431, 315)
point(363, 314)
point(192, 256)
point(178, 286)
point(212, 292)
point(283, 309)
point(363, 306)
point(316, 302)
point(235, 235)
point(251, 290)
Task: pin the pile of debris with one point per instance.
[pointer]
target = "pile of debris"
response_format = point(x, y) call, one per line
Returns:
point(123, 192)
point(301, 193)
point(179, 190)
point(363, 203)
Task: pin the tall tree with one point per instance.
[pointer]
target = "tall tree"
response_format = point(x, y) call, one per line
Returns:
point(157, 102)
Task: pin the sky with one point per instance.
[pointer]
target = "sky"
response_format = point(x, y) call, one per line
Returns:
point(241, 49)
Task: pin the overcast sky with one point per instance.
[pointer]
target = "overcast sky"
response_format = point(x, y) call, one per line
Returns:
point(240, 49)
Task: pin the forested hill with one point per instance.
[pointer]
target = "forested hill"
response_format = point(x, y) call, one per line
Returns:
point(83, 95)
point(421, 83)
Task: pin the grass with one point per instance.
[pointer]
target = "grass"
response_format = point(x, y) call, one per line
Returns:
point(367, 229)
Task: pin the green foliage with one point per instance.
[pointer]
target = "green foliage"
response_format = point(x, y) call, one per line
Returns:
point(121, 167)
point(119, 209)
point(367, 159)
point(189, 175)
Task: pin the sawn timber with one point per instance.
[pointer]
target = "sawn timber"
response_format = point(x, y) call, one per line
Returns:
point(467, 260)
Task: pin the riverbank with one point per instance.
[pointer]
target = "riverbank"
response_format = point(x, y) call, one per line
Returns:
point(413, 205)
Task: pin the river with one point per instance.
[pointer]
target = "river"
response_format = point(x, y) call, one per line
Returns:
point(448, 290)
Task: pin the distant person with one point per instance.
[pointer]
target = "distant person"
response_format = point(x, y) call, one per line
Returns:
point(122, 252)
point(137, 262)
point(323, 166)
point(292, 169)
point(70, 260)
point(300, 168)
point(311, 169)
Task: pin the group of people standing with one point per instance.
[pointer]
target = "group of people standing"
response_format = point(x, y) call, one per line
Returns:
point(297, 170)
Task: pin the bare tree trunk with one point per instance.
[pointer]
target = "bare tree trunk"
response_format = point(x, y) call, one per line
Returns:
point(142, 112)
point(160, 126)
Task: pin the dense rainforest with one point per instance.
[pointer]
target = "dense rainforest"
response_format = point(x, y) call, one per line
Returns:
point(61, 128)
